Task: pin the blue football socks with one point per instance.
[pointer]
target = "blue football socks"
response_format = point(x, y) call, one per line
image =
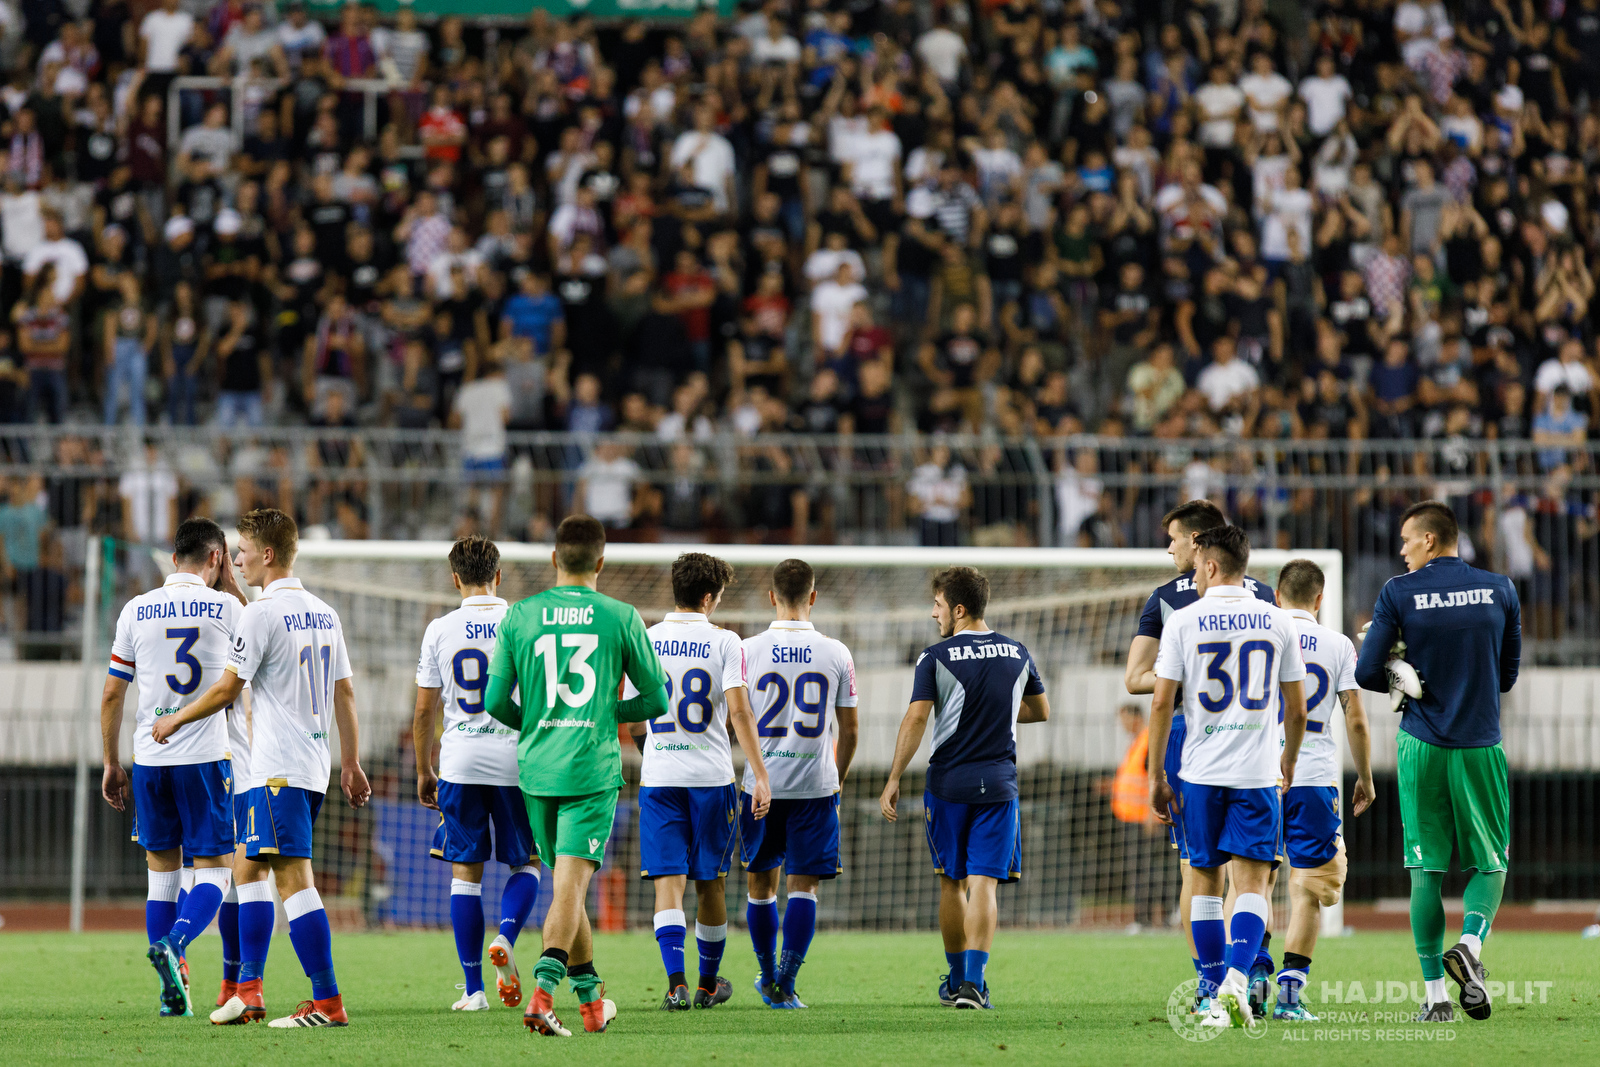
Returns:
point(161, 904)
point(313, 941)
point(466, 920)
point(799, 927)
point(711, 941)
point(1210, 941)
point(200, 907)
point(762, 918)
point(670, 931)
point(516, 902)
point(257, 917)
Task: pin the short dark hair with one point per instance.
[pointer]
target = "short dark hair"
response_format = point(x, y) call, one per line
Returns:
point(580, 542)
point(696, 575)
point(1435, 517)
point(1228, 545)
point(274, 529)
point(792, 581)
point(1300, 581)
point(196, 538)
point(1195, 516)
point(475, 560)
point(965, 587)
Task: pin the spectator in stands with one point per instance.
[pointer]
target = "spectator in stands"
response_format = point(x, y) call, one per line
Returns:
point(940, 494)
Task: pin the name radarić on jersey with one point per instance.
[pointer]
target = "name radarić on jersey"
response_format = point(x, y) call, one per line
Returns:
point(688, 746)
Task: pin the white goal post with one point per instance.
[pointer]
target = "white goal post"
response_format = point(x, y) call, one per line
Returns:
point(1071, 600)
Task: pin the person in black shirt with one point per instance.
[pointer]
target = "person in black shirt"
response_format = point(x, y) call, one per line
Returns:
point(781, 170)
point(1009, 248)
point(244, 365)
point(958, 363)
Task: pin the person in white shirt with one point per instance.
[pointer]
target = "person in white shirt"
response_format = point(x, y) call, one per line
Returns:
point(289, 647)
point(1311, 837)
point(1284, 210)
point(799, 680)
point(162, 35)
point(1267, 91)
point(481, 410)
point(688, 798)
point(874, 163)
point(1232, 655)
point(1220, 103)
point(174, 641)
point(1327, 94)
point(831, 304)
point(939, 494)
point(299, 34)
point(1565, 368)
point(62, 252)
point(711, 156)
point(943, 50)
point(774, 46)
point(476, 784)
point(1418, 27)
point(606, 484)
point(149, 494)
point(1227, 378)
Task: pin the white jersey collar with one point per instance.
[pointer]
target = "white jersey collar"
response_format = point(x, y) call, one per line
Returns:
point(684, 616)
point(182, 578)
point(790, 624)
point(481, 601)
point(282, 583)
point(1226, 590)
point(1302, 613)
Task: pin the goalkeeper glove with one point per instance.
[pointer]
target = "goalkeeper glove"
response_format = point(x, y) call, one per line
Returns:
point(1404, 681)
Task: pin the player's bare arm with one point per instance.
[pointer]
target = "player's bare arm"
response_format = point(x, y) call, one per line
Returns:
point(422, 740)
point(114, 782)
point(1161, 795)
point(844, 752)
point(1294, 727)
point(742, 721)
point(352, 779)
point(1359, 735)
point(1035, 708)
point(1140, 674)
point(912, 728)
point(219, 696)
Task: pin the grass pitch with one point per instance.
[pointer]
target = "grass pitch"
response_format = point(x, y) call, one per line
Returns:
point(1061, 999)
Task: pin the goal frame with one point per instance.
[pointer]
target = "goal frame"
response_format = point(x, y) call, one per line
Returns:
point(1331, 615)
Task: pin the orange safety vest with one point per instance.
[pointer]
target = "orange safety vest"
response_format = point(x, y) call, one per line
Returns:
point(1130, 792)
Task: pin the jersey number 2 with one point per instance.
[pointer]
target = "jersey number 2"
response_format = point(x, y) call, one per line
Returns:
point(804, 704)
point(696, 694)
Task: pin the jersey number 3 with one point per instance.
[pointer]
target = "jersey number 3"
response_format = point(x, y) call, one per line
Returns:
point(186, 637)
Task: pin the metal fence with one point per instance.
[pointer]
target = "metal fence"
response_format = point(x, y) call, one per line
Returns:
point(1526, 510)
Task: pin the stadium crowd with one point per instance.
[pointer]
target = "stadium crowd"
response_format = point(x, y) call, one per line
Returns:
point(1236, 220)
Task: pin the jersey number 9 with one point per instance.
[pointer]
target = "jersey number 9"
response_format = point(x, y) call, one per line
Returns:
point(471, 685)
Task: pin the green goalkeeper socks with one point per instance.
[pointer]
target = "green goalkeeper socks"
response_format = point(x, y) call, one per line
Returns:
point(1481, 900)
point(549, 972)
point(1427, 920)
point(585, 982)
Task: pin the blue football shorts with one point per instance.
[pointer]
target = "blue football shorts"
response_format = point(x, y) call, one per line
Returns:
point(799, 835)
point(465, 815)
point(687, 830)
point(187, 804)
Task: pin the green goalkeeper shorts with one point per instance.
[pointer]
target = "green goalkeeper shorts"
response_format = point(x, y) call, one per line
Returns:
point(1454, 796)
point(572, 826)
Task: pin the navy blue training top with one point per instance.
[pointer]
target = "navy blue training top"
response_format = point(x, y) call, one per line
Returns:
point(1180, 593)
point(976, 681)
point(1463, 632)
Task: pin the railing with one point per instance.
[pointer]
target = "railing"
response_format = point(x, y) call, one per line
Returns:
point(1522, 513)
point(370, 90)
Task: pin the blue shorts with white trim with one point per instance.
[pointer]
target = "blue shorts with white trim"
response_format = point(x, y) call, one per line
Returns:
point(186, 804)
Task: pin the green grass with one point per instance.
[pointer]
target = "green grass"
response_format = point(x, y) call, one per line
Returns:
point(1062, 998)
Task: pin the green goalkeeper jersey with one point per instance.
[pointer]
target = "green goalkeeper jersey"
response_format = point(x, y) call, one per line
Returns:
point(567, 649)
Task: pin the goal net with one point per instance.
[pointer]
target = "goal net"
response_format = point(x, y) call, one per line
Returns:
point(1075, 609)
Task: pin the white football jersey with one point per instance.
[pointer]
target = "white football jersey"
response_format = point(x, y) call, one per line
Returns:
point(688, 746)
point(1330, 660)
point(456, 649)
point(1230, 651)
point(797, 677)
point(289, 646)
point(173, 643)
point(239, 738)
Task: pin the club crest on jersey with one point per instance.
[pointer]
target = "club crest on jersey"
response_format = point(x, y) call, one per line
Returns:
point(1456, 598)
